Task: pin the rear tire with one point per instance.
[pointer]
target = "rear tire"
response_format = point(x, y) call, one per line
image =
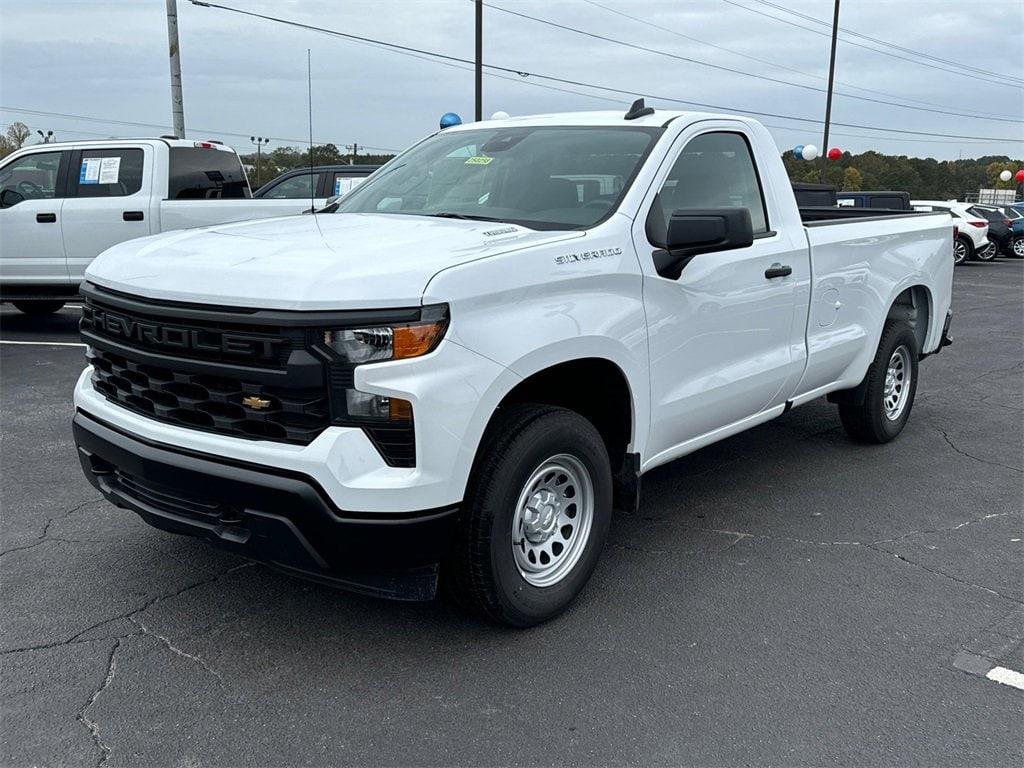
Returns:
point(1017, 249)
point(38, 308)
point(535, 517)
point(962, 250)
point(891, 383)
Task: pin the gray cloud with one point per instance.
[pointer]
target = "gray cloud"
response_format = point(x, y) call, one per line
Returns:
point(107, 60)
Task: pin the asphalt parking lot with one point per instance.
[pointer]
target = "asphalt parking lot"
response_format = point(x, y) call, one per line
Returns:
point(783, 597)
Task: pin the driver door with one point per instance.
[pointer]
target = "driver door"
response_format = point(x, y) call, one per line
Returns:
point(31, 244)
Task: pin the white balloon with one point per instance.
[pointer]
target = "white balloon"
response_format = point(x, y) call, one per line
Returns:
point(1005, 176)
point(810, 152)
point(499, 115)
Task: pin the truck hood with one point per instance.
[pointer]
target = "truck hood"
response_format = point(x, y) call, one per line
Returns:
point(329, 261)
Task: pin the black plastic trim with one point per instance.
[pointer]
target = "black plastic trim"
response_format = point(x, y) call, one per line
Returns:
point(267, 514)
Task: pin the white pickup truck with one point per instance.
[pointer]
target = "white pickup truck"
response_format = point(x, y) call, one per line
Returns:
point(62, 204)
point(458, 375)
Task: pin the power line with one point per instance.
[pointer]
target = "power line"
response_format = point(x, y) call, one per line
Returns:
point(130, 124)
point(777, 65)
point(1002, 83)
point(876, 40)
point(677, 57)
point(582, 84)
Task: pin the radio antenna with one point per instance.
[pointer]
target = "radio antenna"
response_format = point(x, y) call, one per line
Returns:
point(309, 93)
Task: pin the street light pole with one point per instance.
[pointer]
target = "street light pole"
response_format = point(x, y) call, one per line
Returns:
point(177, 105)
point(479, 60)
point(259, 141)
point(828, 98)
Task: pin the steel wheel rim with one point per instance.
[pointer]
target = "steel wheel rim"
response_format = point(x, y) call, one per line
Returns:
point(552, 522)
point(896, 390)
point(959, 251)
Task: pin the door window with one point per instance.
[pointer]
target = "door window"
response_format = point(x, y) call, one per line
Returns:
point(296, 187)
point(32, 177)
point(108, 173)
point(714, 170)
point(345, 183)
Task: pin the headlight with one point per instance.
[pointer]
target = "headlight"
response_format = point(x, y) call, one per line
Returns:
point(389, 342)
point(388, 421)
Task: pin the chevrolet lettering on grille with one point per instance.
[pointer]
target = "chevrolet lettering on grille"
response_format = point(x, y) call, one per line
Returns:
point(179, 338)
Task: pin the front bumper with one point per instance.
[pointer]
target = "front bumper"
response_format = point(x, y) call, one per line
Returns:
point(279, 517)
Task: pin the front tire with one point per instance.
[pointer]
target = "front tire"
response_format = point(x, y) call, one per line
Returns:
point(1017, 249)
point(987, 252)
point(890, 387)
point(535, 518)
point(38, 308)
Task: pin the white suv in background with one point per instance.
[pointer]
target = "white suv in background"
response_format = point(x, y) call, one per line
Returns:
point(972, 240)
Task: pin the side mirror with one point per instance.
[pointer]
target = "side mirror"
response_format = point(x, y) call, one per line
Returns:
point(10, 197)
point(692, 231)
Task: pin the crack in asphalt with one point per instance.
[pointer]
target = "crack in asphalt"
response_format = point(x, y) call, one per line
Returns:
point(962, 452)
point(872, 545)
point(175, 649)
point(92, 725)
point(76, 638)
point(44, 535)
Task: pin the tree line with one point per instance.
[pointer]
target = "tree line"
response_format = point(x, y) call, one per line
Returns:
point(923, 177)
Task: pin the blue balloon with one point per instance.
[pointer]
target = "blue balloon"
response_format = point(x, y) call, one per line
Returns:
point(448, 119)
point(798, 151)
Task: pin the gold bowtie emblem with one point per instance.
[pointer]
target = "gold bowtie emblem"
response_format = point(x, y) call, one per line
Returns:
point(256, 403)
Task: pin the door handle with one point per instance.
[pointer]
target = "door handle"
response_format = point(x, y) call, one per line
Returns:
point(132, 216)
point(46, 218)
point(778, 270)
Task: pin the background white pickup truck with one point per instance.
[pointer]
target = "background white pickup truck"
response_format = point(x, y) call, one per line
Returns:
point(465, 368)
point(62, 204)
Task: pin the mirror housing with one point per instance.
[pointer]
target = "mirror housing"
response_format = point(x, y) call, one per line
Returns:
point(692, 231)
point(10, 197)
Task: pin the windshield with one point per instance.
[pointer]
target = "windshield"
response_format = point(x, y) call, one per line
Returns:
point(543, 178)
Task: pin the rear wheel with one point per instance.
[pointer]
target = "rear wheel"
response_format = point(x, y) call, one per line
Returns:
point(38, 308)
point(890, 386)
point(1017, 249)
point(961, 250)
point(535, 518)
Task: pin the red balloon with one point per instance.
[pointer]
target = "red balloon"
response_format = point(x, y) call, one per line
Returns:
point(835, 153)
point(1020, 176)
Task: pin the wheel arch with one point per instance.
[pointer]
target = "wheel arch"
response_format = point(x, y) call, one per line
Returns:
point(914, 304)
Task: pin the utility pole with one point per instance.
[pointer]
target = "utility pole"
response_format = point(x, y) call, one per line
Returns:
point(828, 99)
point(259, 141)
point(479, 60)
point(353, 150)
point(177, 106)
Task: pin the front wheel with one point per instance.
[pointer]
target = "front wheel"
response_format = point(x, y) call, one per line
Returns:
point(890, 386)
point(1018, 247)
point(988, 251)
point(535, 517)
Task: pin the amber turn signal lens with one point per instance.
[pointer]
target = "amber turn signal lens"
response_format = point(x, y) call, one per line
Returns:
point(399, 410)
point(415, 340)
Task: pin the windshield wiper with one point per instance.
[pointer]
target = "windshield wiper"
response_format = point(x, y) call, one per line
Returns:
point(463, 216)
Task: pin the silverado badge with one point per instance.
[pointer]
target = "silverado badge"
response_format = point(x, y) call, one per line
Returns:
point(256, 403)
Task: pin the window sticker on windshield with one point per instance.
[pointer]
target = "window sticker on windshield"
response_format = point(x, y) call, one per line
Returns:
point(479, 160)
point(110, 169)
point(90, 171)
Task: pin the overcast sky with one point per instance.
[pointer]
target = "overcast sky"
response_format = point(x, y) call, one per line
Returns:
point(108, 61)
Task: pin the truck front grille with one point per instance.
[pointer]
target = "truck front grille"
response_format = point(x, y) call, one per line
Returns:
point(213, 403)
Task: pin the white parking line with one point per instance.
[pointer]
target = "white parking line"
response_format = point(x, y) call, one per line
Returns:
point(1006, 677)
point(43, 343)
